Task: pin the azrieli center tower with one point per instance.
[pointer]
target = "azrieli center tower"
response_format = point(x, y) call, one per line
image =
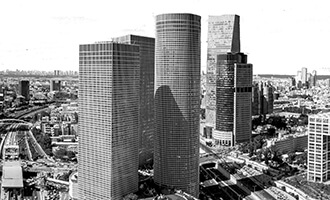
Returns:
point(177, 101)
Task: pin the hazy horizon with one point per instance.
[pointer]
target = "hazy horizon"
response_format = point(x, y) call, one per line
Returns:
point(278, 37)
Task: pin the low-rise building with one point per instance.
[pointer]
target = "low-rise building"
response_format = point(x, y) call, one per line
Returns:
point(289, 143)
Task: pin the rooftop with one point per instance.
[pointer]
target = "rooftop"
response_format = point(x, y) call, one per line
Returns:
point(12, 175)
point(321, 115)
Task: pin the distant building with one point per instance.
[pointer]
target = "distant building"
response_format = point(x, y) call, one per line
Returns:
point(292, 81)
point(269, 98)
point(261, 102)
point(56, 72)
point(24, 89)
point(223, 36)
point(304, 76)
point(177, 101)
point(327, 82)
point(255, 99)
point(313, 79)
point(233, 99)
point(108, 120)
point(55, 85)
point(147, 75)
point(298, 77)
point(318, 148)
point(299, 85)
point(262, 99)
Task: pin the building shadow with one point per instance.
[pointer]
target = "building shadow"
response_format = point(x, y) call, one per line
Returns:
point(227, 188)
point(176, 148)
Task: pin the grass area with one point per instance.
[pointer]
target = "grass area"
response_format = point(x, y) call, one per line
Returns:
point(314, 190)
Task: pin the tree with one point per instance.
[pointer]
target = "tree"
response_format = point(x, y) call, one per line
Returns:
point(256, 122)
point(60, 153)
point(70, 154)
point(130, 196)
point(65, 176)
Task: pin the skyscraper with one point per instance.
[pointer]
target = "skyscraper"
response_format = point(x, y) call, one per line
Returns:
point(318, 169)
point(223, 36)
point(24, 89)
point(177, 103)
point(255, 99)
point(108, 120)
point(147, 74)
point(313, 79)
point(269, 97)
point(233, 102)
point(262, 99)
point(304, 76)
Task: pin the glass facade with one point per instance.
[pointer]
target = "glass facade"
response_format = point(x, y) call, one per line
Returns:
point(177, 103)
point(223, 36)
point(233, 99)
point(147, 76)
point(108, 120)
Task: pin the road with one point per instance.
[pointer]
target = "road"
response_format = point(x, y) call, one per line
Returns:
point(32, 112)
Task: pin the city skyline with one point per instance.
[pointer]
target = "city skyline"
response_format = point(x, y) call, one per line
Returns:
point(41, 35)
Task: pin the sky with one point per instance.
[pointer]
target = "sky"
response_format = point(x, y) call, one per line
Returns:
point(279, 37)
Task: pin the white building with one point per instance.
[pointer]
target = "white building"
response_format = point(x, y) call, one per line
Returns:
point(318, 148)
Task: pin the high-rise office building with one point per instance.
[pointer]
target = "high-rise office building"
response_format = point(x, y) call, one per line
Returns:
point(318, 169)
point(55, 85)
point(147, 74)
point(223, 36)
point(262, 98)
point(24, 89)
point(269, 98)
point(313, 79)
point(233, 102)
point(261, 101)
point(177, 101)
point(255, 99)
point(304, 76)
point(108, 120)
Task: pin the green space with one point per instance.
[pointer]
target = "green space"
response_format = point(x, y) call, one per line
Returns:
point(312, 189)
